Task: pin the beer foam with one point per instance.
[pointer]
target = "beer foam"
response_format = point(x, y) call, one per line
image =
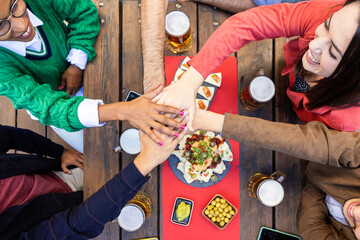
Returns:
point(270, 193)
point(262, 89)
point(177, 23)
point(131, 218)
point(130, 141)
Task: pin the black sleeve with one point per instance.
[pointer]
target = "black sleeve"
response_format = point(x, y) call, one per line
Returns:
point(28, 141)
point(16, 164)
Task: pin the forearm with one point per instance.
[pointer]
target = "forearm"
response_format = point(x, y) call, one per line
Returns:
point(265, 22)
point(312, 141)
point(28, 141)
point(113, 112)
point(88, 219)
point(152, 42)
point(17, 164)
point(208, 121)
point(233, 6)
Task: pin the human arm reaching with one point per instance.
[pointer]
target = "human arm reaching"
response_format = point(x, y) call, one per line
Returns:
point(152, 42)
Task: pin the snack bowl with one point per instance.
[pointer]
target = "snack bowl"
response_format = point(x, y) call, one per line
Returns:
point(174, 216)
point(219, 211)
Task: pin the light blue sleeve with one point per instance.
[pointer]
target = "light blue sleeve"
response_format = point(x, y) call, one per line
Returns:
point(266, 2)
point(271, 2)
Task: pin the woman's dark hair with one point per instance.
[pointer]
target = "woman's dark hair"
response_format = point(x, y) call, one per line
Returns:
point(342, 88)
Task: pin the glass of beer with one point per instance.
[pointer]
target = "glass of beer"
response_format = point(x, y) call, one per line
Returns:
point(133, 215)
point(260, 90)
point(178, 33)
point(267, 189)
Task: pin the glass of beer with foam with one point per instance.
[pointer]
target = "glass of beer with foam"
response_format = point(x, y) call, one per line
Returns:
point(133, 215)
point(267, 189)
point(177, 31)
point(260, 90)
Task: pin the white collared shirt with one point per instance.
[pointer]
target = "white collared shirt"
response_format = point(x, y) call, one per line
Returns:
point(88, 108)
point(75, 56)
point(335, 209)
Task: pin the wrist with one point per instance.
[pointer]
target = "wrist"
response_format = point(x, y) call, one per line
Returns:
point(193, 79)
point(113, 112)
point(210, 121)
point(143, 164)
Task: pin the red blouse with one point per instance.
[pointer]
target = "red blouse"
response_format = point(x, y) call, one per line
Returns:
point(280, 20)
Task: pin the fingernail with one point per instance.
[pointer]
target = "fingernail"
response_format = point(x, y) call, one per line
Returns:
point(176, 134)
point(60, 87)
point(182, 127)
point(160, 143)
point(181, 113)
point(159, 85)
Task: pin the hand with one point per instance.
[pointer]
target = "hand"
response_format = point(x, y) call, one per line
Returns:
point(147, 116)
point(72, 80)
point(70, 157)
point(182, 94)
point(152, 154)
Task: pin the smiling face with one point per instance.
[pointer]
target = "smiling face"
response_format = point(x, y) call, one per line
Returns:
point(331, 41)
point(351, 212)
point(21, 28)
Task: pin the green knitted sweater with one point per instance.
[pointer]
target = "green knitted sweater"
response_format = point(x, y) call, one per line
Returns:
point(32, 82)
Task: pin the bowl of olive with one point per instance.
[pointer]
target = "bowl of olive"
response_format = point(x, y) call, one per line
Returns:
point(182, 211)
point(219, 211)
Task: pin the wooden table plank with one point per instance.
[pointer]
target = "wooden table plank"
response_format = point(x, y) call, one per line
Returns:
point(253, 214)
point(101, 81)
point(132, 79)
point(294, 168)
point(8, 112)
point(190, 9)
point(209, 19)
point(24, 121)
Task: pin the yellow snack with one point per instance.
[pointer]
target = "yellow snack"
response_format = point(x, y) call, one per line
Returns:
point(182, 211)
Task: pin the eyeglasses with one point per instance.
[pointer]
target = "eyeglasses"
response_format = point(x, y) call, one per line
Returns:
point(17, 10)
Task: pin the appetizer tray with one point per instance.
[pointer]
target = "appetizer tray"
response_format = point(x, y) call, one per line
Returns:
point(174, 161)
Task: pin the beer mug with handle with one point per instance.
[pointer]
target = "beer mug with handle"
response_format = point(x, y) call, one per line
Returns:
point(178, 31)
point(267, 189)
point(133, 215)
point(260, 90)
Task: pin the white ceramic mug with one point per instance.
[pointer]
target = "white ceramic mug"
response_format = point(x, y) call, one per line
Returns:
point(129, 142)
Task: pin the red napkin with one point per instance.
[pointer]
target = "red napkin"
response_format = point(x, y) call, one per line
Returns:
point(225, 100)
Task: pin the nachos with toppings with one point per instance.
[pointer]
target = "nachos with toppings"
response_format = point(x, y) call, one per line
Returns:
point(202, 156)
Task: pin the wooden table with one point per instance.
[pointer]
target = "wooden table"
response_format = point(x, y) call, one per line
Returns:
point(118, 68)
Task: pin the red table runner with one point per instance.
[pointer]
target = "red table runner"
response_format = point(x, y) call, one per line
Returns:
point(225, 100)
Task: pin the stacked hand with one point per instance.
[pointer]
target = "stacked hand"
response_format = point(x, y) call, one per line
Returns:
point(148, 116)
point(182, 94)
point(152, 154)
